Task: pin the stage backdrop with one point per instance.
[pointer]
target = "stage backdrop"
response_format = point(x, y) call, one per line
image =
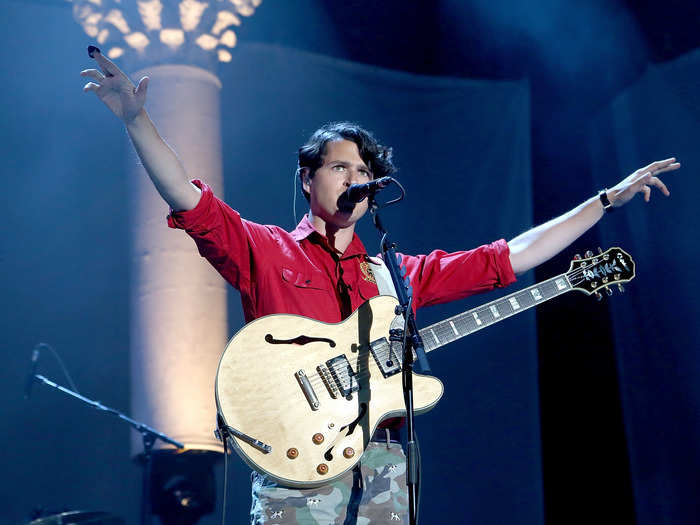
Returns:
point(462, 148)
point(655, 324)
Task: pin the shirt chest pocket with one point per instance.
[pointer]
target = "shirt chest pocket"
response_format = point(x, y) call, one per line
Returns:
point(304, 279)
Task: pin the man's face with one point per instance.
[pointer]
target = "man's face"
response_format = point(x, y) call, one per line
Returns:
point(342, 166)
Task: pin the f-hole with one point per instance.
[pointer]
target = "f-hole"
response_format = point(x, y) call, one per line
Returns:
point(344, 433)
point(299, 340)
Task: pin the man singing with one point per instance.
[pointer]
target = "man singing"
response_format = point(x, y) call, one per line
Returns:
point(322, 270)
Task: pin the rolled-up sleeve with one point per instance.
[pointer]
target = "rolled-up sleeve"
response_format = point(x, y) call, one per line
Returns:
point(220, 234)
point(440, 277)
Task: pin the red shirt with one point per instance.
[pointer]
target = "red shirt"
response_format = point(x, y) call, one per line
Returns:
point(300, 273)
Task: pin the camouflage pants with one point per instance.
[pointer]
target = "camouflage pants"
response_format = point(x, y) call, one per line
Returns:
point(373, 492)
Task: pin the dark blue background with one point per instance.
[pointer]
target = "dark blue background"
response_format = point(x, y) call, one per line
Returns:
point(513, 153)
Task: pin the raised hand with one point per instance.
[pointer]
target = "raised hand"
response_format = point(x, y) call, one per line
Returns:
point(641, 181)
point(114, 88)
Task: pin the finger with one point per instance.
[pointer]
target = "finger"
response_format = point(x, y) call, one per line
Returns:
point(659, 164)
point(140, 90)
point(93, 73)
point(646, 190)
point(91, 86)
point(655, 181)
point(108, 67)
point(670, 167)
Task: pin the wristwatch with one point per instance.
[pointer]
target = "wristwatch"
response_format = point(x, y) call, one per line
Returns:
point(603, 196)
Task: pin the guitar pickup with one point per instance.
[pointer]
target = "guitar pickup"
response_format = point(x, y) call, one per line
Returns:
point(343, 375)
point(386, 355)
point(308, 390)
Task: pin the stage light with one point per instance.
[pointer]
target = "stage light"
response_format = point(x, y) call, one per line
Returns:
point(163, 28)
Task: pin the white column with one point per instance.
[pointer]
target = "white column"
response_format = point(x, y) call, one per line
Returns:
point(178, 301)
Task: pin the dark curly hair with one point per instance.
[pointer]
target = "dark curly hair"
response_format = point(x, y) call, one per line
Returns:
point(376, 156)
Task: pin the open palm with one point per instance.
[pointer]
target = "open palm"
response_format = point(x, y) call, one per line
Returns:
point(114, 88)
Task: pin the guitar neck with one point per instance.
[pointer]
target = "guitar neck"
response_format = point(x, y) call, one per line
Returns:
point(461, 325)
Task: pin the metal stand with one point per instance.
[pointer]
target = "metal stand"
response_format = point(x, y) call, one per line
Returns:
point(412, 342)
point(148, 434)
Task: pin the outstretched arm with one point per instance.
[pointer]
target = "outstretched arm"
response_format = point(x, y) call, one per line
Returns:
point(126, 101)
point(543, 242)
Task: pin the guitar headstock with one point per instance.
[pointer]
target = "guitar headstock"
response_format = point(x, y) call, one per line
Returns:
point(597, 272)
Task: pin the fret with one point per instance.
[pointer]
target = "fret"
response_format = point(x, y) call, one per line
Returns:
point(454, 328)
point(514, 304)
point(435, 337)
point(428, 343)
point(486, 316)
point(480, 317)
point(445, 334)
point(562, 284)
point(525, 299)
point(471, 321)
point(549, 289)
point(461, 322)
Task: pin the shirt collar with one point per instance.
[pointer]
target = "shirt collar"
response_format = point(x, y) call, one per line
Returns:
point(305, 229)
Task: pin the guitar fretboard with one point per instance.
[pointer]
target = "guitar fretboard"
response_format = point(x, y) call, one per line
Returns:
point(439, 334)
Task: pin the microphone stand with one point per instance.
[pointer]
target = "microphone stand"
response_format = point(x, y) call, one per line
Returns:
point(148, 434)
point(411, 342)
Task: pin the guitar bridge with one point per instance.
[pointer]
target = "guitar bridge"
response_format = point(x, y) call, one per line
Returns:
point(327, 380)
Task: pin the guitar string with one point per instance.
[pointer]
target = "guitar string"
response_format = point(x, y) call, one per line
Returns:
point(316, 379)
point(445, 334)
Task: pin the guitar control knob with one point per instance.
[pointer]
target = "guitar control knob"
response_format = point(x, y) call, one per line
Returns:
point(349, 452)
point(608, 291)
point(620, 287)
point(589, 253)
point(598, 296)
point(577, 257)
point(322, 469)
point(317, 439)
point(292, 453)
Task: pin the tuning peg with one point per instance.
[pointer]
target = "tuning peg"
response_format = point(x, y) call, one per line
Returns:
point(620, 287)
point(577, 257)
point(608, 291)
point(600, 250)
point(589, 253)
point(598, 296)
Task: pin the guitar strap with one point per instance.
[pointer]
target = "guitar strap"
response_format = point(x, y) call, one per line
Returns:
point(382, 276)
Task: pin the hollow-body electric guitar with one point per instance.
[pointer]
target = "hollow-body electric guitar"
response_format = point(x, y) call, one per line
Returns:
point(300, 399)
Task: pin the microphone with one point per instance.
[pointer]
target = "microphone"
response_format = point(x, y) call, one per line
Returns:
point(359, 192)
point(32, 372)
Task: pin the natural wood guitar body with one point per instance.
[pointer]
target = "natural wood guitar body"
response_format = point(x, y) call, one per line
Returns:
point(258, 393)
point(312, 393)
